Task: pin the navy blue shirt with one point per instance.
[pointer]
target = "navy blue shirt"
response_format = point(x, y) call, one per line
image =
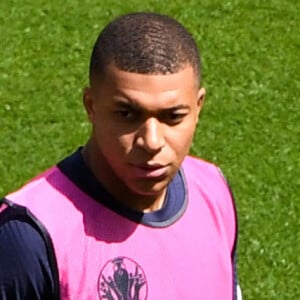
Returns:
point(25, 268)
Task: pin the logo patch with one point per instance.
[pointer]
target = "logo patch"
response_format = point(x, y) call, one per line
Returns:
point(122, 278)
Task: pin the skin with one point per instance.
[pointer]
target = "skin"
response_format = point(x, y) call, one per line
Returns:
point(142, 128)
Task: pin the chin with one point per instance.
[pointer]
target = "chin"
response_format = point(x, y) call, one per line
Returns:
point(150, 189)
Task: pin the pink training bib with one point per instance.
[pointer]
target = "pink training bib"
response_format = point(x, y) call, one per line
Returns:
point(103, 255)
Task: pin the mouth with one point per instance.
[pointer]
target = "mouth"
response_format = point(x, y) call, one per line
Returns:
point(149, 170)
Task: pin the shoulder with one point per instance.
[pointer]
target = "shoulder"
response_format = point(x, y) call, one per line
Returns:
point(206, 179)
point(36, 185)
point(44, 194)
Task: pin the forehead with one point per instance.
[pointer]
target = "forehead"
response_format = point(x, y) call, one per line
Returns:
point(148, 88)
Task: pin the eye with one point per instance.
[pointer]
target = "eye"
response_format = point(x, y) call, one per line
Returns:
point(125, 114)
point(175, 117)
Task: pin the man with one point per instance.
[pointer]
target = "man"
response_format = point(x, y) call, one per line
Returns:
point(130, 215)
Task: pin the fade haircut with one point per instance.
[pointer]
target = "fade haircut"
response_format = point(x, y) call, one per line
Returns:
point(145, 43)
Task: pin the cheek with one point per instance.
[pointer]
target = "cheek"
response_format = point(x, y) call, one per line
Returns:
point(125, 142)
point(180, 141)
point(184, 133)
point(114, 144)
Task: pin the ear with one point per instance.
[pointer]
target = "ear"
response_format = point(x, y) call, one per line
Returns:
point(200, 100)
point(89, 101)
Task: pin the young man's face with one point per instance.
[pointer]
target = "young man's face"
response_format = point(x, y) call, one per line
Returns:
point(142, 128)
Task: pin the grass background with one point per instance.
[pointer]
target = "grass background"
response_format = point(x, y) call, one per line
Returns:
point(250, 125)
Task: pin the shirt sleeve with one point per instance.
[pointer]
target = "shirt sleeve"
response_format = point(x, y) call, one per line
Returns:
point(25, 271)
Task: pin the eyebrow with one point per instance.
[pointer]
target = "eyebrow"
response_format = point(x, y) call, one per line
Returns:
point(128, 103)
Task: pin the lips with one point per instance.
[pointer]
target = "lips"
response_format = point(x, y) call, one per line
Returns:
point(149, 170)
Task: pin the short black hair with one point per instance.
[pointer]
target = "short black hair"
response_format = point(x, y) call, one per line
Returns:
point(145, 43)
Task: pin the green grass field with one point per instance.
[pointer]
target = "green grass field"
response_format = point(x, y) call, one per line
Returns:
point(250, 125)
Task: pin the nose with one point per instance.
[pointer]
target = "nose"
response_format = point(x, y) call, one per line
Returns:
point(150, 136)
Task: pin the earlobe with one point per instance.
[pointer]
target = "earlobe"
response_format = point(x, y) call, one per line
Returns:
point(88, 103)
point(200, 100)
